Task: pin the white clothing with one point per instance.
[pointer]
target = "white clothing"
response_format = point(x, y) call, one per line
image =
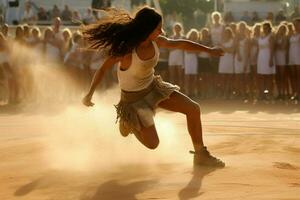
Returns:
point(294, 51)
point(216, 34)
point(3, 57)
point(176, 57)
point(140, 74)
point(28, 15)
point(239, 65)
point(263, 58)
point(226, 64)
point(52, 53)
point(190, 63)
point(280, 54)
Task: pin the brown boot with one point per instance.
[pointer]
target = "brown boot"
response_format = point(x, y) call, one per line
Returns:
point(204, 158)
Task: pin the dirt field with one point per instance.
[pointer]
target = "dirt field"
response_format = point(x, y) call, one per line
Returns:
point(72, 152)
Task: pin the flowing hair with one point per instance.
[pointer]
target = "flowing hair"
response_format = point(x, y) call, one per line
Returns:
point(119, 33)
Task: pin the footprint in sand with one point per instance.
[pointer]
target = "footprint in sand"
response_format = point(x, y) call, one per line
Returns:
point(294, 184)
point(283, 165)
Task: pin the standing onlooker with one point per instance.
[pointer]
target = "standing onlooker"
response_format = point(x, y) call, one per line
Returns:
point(265, 61)
point(255, 34)
point(88, 17)
point(66, 14)
point(76, 18)
point(226, 65)
point(246, 18)
point(216, 31)
point(270, 17)
point(52, 48)
point(241, 61)
point(42, 14)
point(228, 18)
point(281, 43)
point(5, 71)
point(29, 16)
point(294, 58)
point(191, 66)
point(280, 17)
point(176, 58)
point(204, 66)
point(255, 18)
point(56, 30)
point(55, 12)
point(4, 30)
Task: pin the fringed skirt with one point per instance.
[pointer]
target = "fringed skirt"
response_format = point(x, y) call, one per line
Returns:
point(137, 109)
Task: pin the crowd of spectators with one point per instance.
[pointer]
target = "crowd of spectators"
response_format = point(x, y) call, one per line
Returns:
point(261, 60)
point(38, 15)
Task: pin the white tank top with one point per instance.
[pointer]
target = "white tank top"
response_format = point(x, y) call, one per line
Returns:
point(140, 73)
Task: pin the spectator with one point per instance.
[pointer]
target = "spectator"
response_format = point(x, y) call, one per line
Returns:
point(29, 15)
point(296, 13)
point(255, 17)
point(246, 18)
point(56, 29)
point(88, 17)
point(228, 18)
point(42, 14)
point(270, 17)
point(66, 14)
point(55, 12)
point(280, 17)
point(76, 19)
point(4, 30)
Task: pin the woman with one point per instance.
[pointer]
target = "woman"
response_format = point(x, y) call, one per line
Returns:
point(134, 42)
point(281, 43)
point(216, 31)
point(176, 60)
point(226, 65)
point(266, 61)
point(204, 65)
point(255, 34)
point(241, 61)
point(294, 59)
point(191, 67)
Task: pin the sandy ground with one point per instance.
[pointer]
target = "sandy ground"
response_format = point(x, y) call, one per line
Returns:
point(71, 152)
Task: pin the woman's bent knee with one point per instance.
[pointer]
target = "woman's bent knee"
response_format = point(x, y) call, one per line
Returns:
point(152, 145)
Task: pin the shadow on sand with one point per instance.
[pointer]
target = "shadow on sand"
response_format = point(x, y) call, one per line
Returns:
point(113, 189)
point(192, 189)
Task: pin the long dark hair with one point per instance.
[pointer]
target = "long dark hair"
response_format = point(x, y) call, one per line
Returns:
point(119, 33)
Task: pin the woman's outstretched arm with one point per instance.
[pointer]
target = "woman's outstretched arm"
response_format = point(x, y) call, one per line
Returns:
point(187, 45)
point(109, 62)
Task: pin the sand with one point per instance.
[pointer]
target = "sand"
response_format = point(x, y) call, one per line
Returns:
point(70, 152)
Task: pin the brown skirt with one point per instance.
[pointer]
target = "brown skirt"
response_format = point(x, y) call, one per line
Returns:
point(137, 109)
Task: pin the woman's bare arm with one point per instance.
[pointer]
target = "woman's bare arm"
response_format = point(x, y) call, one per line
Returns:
point(186, 45)
point(108, 63)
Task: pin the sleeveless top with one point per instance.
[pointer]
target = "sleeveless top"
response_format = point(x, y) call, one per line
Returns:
point(140, 74)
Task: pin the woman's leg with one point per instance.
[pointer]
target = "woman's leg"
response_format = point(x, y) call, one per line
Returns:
point(178, 102)
point(148, 137)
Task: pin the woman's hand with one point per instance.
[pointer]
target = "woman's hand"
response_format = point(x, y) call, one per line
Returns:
point(216, 51)
point(87, 100)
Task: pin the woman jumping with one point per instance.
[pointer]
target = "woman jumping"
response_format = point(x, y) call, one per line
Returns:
point(134, 43)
